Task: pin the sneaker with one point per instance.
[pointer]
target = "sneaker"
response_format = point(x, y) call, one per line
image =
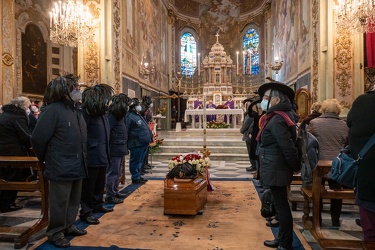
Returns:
point(113, 200)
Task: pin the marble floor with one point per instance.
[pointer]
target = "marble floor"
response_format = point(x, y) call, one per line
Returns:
point(219, 170)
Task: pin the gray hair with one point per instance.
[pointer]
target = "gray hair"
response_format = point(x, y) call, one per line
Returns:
point(21, 101)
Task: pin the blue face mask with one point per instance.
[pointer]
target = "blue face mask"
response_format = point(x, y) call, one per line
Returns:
point(264, 104)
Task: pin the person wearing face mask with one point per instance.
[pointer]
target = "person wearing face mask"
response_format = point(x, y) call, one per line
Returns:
point(146, 113)
point(95, 106)
point(278, 155)
point(139, 137)
point(15, 140)
point(59, 140)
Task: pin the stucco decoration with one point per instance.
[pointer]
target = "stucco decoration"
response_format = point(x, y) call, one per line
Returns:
point(343, 69)
point(92, 64)
point(8, 59)
point(117, 42)
point(8, 48)
point(315, 65)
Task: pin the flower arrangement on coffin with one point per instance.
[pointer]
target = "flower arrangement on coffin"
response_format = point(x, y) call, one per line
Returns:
point(187, 166)
point(215, 124)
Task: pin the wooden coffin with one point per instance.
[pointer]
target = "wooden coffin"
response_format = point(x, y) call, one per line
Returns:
point(184, 196)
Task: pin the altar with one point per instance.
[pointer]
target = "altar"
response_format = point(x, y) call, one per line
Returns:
point(191, 113)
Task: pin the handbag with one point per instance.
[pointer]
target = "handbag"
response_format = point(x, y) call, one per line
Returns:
point(345, 166)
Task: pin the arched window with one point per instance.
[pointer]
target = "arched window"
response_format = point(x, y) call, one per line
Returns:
point(188, 54)
point(250, 52)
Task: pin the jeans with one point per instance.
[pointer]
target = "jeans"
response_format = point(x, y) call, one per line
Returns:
point(112, 176)
point(135, 162)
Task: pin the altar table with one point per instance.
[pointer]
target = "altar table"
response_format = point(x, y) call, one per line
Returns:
point(191, 113)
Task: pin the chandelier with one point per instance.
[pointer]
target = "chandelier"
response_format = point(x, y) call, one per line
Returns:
point(276, 66)
point(145, 68)
point(357, 15)
point(71, 23)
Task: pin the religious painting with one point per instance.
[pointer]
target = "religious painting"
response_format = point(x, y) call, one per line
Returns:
point(303, 98)
point(130, 31)
point(34, 61)
point(219, 15)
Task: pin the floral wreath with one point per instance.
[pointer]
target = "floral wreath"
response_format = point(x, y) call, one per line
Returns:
point(179, 165)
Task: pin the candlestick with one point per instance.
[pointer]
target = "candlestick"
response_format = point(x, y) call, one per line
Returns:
point(237, 62)
point(199, 65)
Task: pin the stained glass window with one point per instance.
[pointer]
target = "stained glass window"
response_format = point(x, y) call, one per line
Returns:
point(188, 54)
point(250, 52)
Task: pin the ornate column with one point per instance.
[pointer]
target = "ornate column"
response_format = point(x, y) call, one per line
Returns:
point(7, 49)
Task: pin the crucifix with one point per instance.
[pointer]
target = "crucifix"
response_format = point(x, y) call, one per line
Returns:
point(217, 37)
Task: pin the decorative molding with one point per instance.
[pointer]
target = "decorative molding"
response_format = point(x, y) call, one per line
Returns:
point(86, 1)
point(8, 59)
point(92, 64)
point(117, 45)
point(343, 66)
point(315, 55)
point(8, 44)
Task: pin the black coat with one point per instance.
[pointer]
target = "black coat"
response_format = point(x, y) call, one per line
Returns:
point(59, 140)
point(14, 131)
point(278, 154)
point(97, 140)
point(118, 137)
point(361, 123)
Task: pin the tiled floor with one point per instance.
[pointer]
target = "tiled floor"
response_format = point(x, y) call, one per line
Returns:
point(219, 170)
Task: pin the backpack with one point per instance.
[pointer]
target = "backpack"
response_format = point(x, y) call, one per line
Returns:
point(308, 152)
point(268, 208)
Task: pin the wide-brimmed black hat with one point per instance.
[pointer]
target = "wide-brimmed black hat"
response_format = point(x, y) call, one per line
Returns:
point(278, 86)
point(254, 102)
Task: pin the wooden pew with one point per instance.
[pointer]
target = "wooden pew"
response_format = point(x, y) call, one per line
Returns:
point(314, 195)
point(294, 198)
point(20, 235)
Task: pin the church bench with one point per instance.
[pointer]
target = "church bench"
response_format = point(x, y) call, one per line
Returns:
point(314, 195)
point(20, 235)
point(294, 197)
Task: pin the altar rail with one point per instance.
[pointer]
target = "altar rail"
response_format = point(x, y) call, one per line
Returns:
point(191, 113)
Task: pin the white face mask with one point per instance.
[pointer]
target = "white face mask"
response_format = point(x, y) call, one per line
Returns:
point(151, 105)
point(76, 95)
point(28, 111)
point(138, 108)
point(264, 104)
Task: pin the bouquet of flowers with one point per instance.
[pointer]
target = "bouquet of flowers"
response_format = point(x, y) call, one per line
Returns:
point(214, 124)
point(154, 145)
point(188, 165)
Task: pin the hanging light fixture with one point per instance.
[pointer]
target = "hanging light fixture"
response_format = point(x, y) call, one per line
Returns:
point(145, 68)
point(356, 15)
point(71, 23)
point(276, 66)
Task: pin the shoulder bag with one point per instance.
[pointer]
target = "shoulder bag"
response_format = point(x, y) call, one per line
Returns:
point(344, 166)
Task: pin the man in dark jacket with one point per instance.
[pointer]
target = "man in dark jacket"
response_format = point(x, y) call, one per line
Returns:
point(139, 137)
point(117, 146)
point(59, 139)
point(94, 103)
point(15, 140)
point(278, 154)
point(146, 113)
point(361, 123)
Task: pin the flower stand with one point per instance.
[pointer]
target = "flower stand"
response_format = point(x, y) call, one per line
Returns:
point(185, 196)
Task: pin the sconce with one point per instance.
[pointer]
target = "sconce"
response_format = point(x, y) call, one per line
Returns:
point(276, 66)
point(144, 68)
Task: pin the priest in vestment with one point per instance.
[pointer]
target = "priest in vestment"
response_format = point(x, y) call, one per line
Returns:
point(210, 105)
point(230, 105)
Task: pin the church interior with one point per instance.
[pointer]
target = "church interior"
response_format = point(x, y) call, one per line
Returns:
point(178, 52)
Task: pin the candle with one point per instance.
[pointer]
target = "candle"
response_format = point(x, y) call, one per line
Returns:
point(276, 59)
point(237, 62)
point(50, 20)
point(250, 63)
point(199, 65)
